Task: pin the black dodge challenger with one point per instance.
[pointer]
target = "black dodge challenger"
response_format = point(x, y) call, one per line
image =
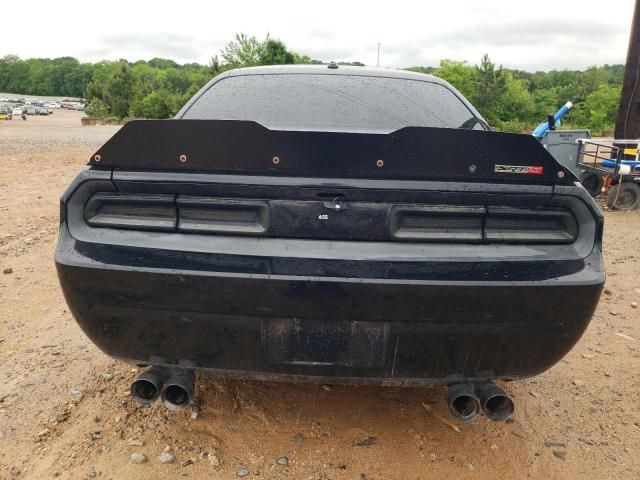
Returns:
point(330, 224)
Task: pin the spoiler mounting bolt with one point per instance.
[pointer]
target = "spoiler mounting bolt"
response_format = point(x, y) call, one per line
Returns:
point(276, 160)
point(97, 158)
point(183, 158)
point(380, 163)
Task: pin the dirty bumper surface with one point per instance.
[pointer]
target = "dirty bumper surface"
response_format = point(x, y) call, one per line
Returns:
point(378, 330)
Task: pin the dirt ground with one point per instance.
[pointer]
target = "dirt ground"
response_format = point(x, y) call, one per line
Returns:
point(65, 411)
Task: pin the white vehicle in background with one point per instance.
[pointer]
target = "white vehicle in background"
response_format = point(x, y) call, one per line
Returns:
point(19, 112)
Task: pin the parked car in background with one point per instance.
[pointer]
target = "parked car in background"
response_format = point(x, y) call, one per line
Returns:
point(17, 111)
point(31, 110)
point(5, 112)
point(72, 105)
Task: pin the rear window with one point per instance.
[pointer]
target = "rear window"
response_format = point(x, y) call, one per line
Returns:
point(350, 103)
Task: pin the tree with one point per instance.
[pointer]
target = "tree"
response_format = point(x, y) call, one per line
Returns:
point(514, 109)
point(118, 90)
point(489, 85)
point(274, 52)
point(158, 105)
point(214, 66)
point(162, 63)
point(512, 100)
point(546, 101)
point(427, 70)
point(243, 51)
point(458, 74)
point(304, 59)
point(599, 109)
point(97, 108)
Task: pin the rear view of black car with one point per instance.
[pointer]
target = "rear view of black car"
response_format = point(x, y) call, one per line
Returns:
point(330, 225)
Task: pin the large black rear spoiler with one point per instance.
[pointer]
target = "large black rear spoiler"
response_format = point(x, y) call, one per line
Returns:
point(242, 147)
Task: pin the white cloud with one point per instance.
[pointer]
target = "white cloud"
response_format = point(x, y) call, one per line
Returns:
point(565, 34)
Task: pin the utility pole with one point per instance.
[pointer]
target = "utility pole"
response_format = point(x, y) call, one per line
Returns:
point(628, 120)
point(378, 61)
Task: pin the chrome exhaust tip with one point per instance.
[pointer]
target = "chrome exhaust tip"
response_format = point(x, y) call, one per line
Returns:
point(146, 388)
point(178, 390)
point(463, 402)
point(495, 402)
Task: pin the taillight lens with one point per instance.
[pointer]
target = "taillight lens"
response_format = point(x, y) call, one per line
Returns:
point(131, 211)
point(374, 222)
point(518, 225)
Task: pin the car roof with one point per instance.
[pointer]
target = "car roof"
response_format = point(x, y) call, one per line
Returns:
point(340, 70)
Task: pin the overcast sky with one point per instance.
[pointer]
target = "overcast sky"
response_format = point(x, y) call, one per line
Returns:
point(529, 35)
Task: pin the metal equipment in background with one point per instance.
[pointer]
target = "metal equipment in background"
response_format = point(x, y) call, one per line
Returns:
point(612, 166)
point(564, 147)
point(553, 121)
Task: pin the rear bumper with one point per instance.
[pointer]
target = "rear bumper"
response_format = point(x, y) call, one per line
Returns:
point(356, 312)
point(174, 311)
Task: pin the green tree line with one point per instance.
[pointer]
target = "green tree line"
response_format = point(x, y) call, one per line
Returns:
point(515, 100)
point(511, 100)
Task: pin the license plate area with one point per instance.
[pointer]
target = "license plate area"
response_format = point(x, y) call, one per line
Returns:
point(354, 344)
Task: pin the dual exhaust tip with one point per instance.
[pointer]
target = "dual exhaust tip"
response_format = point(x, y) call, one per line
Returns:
point(174, 387)
point(467, 400)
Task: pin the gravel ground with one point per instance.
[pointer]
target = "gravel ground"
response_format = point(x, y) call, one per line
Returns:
point(65, 411)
